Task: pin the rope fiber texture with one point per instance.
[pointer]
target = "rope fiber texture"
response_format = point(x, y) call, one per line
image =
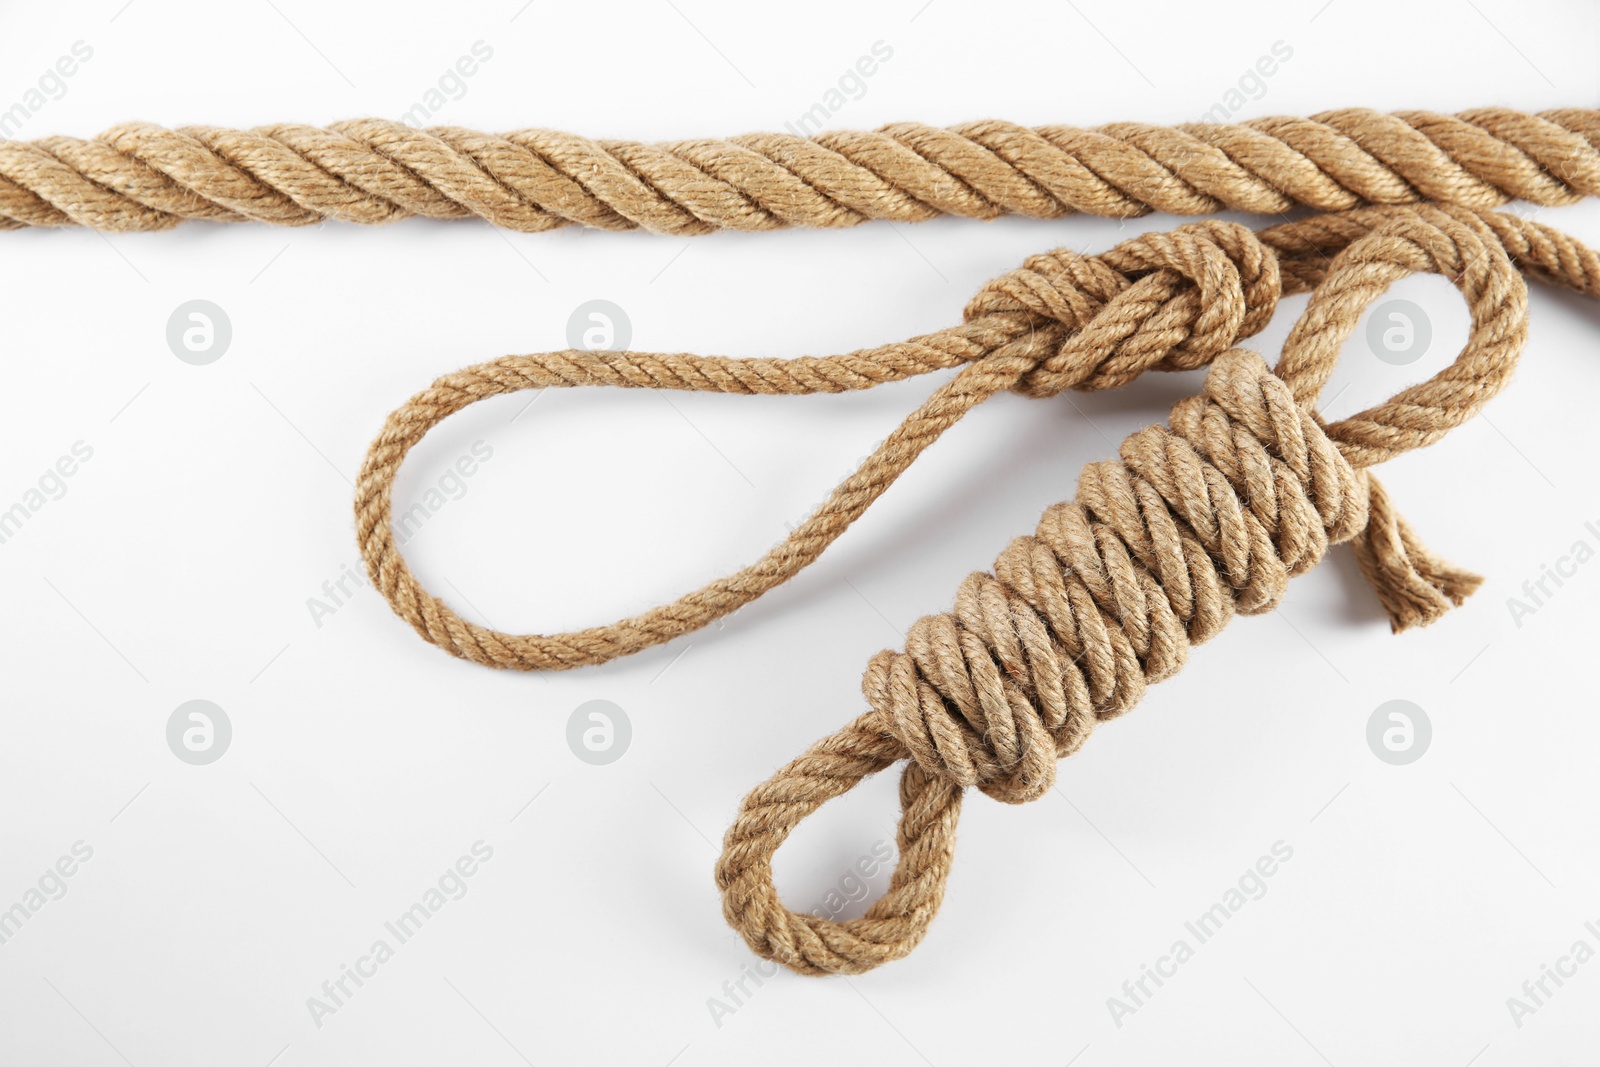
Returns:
point(1200, 519)
point(143, 177)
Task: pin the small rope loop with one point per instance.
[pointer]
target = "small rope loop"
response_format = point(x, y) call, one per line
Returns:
point(994, 693)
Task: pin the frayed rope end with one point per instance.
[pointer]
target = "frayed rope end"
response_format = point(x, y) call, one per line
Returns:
point(1415, 586)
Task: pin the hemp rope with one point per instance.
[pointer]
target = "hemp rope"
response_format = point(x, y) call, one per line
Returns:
point(143, 177)
point(1198, 520)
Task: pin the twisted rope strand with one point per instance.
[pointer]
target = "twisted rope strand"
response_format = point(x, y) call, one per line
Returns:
point(143, 177)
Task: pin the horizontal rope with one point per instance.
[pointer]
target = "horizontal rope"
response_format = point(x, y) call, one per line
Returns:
point(143, 177)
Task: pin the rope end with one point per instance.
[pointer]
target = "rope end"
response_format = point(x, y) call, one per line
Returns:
point(1415, 586)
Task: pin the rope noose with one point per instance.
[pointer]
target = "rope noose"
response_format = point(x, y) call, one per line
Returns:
point(1200, 519)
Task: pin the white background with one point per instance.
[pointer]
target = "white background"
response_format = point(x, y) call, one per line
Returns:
point(179, 563)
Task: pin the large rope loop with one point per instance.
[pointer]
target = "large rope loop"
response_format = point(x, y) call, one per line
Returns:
point(1165, 302)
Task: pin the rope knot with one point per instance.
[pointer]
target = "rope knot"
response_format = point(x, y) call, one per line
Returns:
point(1167, 301)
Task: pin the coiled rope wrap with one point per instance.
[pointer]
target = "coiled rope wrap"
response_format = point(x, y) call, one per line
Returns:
point(143, 177)
point(1200, 519)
